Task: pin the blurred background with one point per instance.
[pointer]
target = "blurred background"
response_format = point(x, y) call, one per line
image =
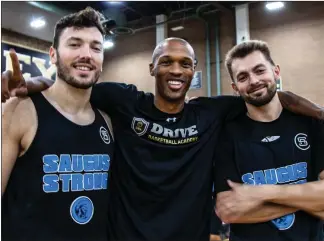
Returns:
point(293, 30)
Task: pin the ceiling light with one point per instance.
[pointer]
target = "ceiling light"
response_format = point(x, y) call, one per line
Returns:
point(114, 2)
point(274, 5)
point(108, 44)
point(37, 23)
point(178, 28)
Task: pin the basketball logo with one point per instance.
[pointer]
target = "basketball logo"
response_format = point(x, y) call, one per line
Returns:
point(284, 222)
point(81, 210)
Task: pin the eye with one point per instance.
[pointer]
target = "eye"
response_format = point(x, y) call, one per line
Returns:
point(187, 64)
point(74, 45)
point(260, 71)
point(165, 62)
point(242, 78)
point(97, 49)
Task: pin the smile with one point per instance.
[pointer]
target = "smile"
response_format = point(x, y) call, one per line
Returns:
point(175, 84)
point(83, 67)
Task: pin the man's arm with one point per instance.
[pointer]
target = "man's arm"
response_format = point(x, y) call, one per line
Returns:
point(38, 84)
point(264, 213)
point(12, 134)
point(245, 204)
point(230, 107)
point(308, 196)
point(300, 105)
point(228, 205)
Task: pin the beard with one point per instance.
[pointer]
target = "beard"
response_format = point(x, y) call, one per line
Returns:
point(259, 101)
point(64, 74)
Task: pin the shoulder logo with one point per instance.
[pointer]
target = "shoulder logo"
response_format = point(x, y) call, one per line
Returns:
point(104, 135)
point(301, 141)
point(81, 210)
point(139, 125)
point(284, 222)
point(270, 138)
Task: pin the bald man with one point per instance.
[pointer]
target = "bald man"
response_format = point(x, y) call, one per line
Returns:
point(161, 178)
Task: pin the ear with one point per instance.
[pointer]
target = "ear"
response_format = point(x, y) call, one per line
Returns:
point(277, 72)
point(234, 87)
point(151, 69)
point(53, 55)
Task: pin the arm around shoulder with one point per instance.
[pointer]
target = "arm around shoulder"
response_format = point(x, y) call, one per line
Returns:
point(108, 96)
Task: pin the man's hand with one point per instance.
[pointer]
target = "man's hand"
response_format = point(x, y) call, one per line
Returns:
point(233, 204)
point(13, 82)
point(300, 105)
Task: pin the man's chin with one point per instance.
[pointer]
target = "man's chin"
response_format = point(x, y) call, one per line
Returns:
point(258, 102)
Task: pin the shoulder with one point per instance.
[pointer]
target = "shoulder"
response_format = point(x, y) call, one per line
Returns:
point(114, 88)
point(108, 121)
point(18, 115)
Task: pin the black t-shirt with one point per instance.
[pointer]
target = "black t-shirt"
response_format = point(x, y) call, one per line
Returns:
point(161, 177)
point(288, 150)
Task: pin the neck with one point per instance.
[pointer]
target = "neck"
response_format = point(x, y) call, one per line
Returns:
point(266, 113)
point(168, 107)
point(70, 99)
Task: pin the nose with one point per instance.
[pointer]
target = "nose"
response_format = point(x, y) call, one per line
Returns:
point(254, 79)
point(85, 52)
point(176, 69)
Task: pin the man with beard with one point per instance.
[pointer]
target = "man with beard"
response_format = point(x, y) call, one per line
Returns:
point(268, 145)
point(161, 179)
point(56, 148)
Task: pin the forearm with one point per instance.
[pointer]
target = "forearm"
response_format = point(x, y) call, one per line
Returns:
point(38, 84)
point(308, 196)
point(265, 213)
point(319, 215)
point(300, 105)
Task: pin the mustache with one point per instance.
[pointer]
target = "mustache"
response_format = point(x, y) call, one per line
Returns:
point(84, 61)
point(254, 88)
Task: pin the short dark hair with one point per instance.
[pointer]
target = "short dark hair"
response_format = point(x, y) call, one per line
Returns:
point(85, 18)
point(245, 48)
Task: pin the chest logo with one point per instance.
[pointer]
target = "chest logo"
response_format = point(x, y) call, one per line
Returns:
point(174, 119)
point(284, 222)
point(81, 210)
point(104, 135)
point(301, 141)
point(140, 126)
point(270, 138)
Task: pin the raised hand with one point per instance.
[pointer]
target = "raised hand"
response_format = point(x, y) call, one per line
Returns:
point(13, 82)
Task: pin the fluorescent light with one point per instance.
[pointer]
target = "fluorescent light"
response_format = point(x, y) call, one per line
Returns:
point(274, 5)
point(108, 44)
point(177, 28)
point(114, 2)
point(37, 23)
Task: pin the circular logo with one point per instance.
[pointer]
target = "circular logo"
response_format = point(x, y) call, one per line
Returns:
point(104, 135)
point(284, 222)
point(301, 141)
point(81, 210)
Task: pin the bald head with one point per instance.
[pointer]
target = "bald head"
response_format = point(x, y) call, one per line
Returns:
point(167, 43)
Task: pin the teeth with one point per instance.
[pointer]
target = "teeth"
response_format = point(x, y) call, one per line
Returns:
point(174, 82)
point(83, 68)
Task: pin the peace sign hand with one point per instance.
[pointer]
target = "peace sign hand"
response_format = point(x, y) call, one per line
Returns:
point(13, 82)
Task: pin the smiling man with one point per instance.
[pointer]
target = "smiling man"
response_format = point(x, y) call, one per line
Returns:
point(278, 155)
point(56, 148)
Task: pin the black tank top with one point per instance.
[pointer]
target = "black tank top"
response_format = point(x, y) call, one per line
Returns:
point(57, 190)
